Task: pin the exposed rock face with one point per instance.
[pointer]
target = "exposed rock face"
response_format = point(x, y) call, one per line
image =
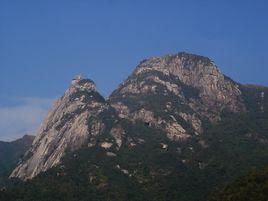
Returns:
point(118, 134)
point(175, 93)
point(66, 126)
point(196, 71)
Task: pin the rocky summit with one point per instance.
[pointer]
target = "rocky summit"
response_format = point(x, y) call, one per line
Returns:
point(65, 127)
point(175, 129)
point(177, 93)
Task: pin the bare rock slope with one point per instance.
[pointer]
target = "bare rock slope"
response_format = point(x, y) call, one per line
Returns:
point(74, 118)
point(175, 93)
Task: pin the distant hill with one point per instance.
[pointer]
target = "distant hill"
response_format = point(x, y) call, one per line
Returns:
point(11, 153)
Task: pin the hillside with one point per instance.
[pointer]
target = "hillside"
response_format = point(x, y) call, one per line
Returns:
point(11, 153)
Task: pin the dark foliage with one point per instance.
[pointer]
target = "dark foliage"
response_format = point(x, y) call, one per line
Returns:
point(253, 187)
point(10, 154)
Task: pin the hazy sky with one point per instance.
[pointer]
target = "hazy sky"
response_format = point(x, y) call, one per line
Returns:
point(43, 44)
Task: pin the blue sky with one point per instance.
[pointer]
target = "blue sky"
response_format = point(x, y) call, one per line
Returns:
point(43, 44)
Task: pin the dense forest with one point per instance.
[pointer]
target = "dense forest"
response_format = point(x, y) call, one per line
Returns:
point(253, 187)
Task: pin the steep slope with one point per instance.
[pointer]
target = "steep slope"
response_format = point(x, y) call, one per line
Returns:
point(178, 93)
point(74, 118)
point(11, 153)
point(176, 129)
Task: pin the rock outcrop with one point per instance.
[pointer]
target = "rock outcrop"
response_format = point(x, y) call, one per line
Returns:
point(71, 122)
point(176, 93)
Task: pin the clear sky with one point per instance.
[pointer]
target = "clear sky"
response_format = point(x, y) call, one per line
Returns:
point(43, 44)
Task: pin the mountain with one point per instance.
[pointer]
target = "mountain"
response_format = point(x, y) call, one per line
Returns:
point(66, 127)
point(11, 153)
point(175, 129)
point(178, 94)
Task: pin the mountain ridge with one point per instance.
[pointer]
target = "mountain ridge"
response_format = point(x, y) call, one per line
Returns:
point(169, 75)
point(176, 123)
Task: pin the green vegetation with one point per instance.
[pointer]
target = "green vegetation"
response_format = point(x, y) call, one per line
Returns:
point(253, 187)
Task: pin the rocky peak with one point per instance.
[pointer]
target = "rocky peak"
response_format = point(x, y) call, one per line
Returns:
point(83, 84)
point(196, 71)
point(191, 70)
point(186, 60)
point(66, 126)
point(173, 91)
point(177, 63)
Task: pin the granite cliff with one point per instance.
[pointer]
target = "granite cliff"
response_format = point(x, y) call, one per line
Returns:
point(76, 117)
point(177, 93)
point(176, 123)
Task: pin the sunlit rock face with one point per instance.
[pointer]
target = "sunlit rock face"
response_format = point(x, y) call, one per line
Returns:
point(66, 126)
point(177, 93)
